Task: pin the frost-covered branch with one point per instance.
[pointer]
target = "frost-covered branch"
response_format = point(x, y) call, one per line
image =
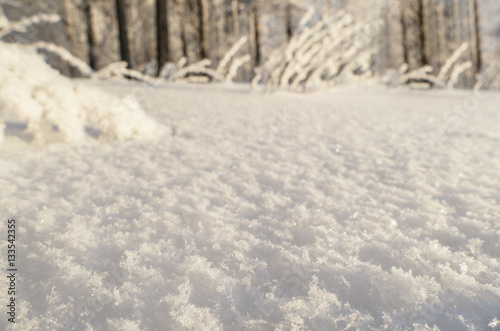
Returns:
point(334, 47)
point(235, 66)
point(457, 72)
point(120, 70)
point(182, 62)
point(200, 71)
point(421, 75)
point(452, 60)
point(23, 24)
point(230, 54)
point(76, 62)
point(449, 73)
point(306, 17)
point(200, 68)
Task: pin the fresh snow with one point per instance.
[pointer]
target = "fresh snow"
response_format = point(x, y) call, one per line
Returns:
point(58, 109)
point(347, 209)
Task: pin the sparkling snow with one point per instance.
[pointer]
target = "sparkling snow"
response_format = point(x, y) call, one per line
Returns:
point(349, 209)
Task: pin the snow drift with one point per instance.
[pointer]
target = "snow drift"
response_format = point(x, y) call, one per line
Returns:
point(58, 109)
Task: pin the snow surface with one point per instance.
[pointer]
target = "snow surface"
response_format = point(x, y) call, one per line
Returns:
point(349, 209)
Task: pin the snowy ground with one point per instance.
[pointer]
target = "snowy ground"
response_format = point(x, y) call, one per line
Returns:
point(348, 209)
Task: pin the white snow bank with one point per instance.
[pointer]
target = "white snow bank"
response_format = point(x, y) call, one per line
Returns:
point(57, 109)
point(350, 210)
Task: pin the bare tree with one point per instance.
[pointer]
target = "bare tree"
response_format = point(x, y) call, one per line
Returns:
point(90, 34)
point(183, 32)
point(162, 45)
point(417, 32)
point(236, 21)
point(414, 38)
point(122, 31)
point(288, 17)
point(75, 24)
point(202, 14)
point(254, 33)
point(192, 29)
point(475, 35)
point(432, 31)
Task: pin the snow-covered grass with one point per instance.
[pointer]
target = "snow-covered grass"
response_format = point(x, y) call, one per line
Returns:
point(341, 210)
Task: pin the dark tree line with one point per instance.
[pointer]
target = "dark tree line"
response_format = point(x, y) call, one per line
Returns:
point(200, 29)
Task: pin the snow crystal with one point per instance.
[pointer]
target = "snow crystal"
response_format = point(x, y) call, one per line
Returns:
point(337, 210)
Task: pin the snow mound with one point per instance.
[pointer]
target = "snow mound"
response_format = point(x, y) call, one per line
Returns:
point(58, 109)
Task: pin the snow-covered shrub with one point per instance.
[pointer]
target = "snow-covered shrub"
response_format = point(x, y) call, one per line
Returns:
point(201, 71)
point(120, 70)
point(195, 71)
point(56, 108)
point(448, 75)
point(334, 49)
point(198, 72)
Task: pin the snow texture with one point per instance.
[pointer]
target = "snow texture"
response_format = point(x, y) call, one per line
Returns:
point(352, 209)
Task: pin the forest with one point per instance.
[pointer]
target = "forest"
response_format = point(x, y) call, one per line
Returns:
point(292, 44)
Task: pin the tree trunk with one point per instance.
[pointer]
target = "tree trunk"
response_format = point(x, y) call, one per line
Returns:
point(236, 21)
point(431, 31)
point(90, 34)
point(255, 33)
point(404, 34)
point(421, 31)
point(122, 31)
point(289, 27)
point(73, 24)
point(414, 37)
point(161, 33)
point(184, 21)
point(457, 22)
point(201, 27)
point(475, 36)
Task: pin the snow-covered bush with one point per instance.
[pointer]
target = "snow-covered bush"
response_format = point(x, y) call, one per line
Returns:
point(198, 72)
point(58, 109)
point(332, 50)
point(448, 75)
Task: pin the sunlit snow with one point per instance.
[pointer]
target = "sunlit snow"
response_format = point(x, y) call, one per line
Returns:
point(357, 208)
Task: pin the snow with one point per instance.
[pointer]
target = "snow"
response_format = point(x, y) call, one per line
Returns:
point(57, 109)
point(356, 208)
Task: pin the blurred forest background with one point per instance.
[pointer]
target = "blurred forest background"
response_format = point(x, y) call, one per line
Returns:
point(293, 43)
